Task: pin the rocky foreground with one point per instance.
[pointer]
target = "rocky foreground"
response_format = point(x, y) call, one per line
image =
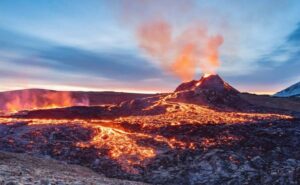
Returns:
point(19, 169)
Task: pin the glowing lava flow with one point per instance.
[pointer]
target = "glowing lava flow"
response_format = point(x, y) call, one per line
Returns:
point(143, 137)
point(183, 113)
point(123, 146)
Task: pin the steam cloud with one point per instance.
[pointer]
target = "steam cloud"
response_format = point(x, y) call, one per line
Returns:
point(179, 49)
point(14, 101)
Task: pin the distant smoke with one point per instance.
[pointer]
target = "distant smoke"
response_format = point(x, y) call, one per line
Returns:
point(39, 99)
point(163, 33)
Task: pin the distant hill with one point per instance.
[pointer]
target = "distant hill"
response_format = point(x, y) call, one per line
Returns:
point(292, 91)
point(285, 103)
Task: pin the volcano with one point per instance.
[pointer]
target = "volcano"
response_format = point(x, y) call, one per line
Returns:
point(207, 82)
point(212, 91)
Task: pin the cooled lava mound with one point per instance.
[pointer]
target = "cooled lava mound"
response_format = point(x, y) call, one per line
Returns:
point(211, 91)
point(202, 133)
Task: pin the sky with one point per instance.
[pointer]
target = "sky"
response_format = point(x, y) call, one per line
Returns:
point(92, 45)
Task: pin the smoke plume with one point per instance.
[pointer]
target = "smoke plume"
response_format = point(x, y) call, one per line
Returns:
point(169, 33)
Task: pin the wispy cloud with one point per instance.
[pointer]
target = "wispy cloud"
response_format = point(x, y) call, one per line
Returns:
point(279, 66)
point(26, 57)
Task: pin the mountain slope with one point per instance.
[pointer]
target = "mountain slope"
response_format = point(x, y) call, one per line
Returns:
point(293, 90)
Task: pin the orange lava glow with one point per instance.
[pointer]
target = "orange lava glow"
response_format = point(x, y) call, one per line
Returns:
point(122, 145)
point(26, 101)
point(183, 113)
point(207, 75)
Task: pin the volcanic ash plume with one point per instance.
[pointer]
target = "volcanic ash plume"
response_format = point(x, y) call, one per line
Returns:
point(180, 54)
point(179, 49)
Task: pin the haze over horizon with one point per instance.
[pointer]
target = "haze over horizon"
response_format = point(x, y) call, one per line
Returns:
point(87, 45)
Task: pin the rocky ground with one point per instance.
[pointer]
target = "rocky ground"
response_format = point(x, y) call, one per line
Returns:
point(19, 169)
point(264, 154)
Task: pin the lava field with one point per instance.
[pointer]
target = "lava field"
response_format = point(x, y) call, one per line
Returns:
point(200, 134)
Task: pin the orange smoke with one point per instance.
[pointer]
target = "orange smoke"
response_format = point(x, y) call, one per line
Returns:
point(183, 52)
point(184, 66)
point(47, 100)
point(163, 34)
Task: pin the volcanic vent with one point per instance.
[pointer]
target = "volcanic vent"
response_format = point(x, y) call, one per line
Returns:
point(211, 90)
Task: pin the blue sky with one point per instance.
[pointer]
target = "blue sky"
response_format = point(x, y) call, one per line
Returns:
point(85, 45)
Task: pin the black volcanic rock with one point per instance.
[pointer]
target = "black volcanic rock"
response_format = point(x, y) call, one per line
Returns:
point(210, 91)
point(187, 86)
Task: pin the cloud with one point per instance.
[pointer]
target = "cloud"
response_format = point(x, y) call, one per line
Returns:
point(294, 38)
point(34, 52)
point(279, 66)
